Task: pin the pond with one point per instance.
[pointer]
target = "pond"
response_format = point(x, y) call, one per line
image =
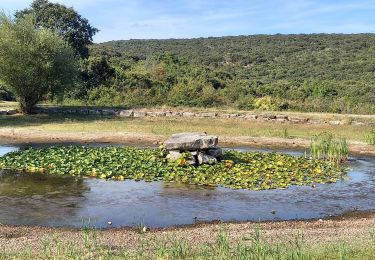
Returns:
point(33, 199)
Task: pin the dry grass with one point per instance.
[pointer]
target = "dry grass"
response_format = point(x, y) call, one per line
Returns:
point(4, 105)
point(166, 126)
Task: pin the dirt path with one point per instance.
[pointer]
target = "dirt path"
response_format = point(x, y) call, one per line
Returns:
point(317, 231)
point(14, 136)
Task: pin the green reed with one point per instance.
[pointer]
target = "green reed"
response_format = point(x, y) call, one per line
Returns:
point(325, 147)
point(370, 138)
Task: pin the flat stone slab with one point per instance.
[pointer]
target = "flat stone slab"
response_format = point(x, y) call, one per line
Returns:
point(191, 142)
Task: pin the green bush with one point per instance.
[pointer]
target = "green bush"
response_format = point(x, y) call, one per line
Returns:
point(105, 96)
point(245, 103)
point(265, 103)
point(193, 93)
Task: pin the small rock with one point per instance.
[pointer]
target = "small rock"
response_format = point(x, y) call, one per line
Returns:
point(208, 115)
point(108, 112)
point(251, 117)
point(206, 159)
point(94, 112)
point(156, 114)
point(139, 114)
point(168, 113)
point(188, 114)
point(215, 152)
point(174, 155)
point(225, 115)
point(335, 122)
point(126, 113)
point(282, 117)
point(269, 117)
point(176, 114)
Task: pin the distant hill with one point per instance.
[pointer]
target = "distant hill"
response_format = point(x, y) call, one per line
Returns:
point(303, 68)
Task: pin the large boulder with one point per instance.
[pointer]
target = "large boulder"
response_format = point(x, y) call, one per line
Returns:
point(191, 142)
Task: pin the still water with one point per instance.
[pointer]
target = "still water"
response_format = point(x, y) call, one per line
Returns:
point(32, 199)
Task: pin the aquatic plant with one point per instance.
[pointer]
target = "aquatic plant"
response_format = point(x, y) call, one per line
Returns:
point(325, 147)
point(370, 138)
point(285, 133)
point(248, 170)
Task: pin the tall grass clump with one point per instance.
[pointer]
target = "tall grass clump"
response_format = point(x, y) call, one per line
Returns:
point(370, 138)
point(326, 147)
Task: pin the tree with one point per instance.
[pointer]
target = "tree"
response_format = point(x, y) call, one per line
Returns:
point(94, 72)
point(34, 62)
point(71, 26)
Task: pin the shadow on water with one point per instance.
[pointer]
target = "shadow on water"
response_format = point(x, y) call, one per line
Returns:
point(31, 199)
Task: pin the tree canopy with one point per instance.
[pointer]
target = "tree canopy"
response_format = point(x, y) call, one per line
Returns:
point(34, 61)
point(75, 29)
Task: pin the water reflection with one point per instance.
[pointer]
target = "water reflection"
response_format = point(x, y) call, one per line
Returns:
point(40, 199)
point(65, 201)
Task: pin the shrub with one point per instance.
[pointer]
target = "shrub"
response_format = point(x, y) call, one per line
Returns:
point(265, 103)
point(104, 96)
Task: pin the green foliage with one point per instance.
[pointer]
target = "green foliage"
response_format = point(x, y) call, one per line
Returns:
point(104, 96)
point(250, 170)
point(325, 147)
point(94, 72)
point(193, 93)
point(245, 103)
point(66, 21)
point(320, 72)
point(264, 103)
point(5, 95)
point(370, 138)
point(33, 62)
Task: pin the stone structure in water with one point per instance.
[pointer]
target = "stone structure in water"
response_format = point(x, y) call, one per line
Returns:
point(195, 148)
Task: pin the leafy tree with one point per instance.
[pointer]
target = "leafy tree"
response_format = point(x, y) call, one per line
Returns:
point(95, 72)
point(33, 62)
point(71, 26)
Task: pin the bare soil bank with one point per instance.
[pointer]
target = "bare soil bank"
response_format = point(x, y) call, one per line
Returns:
point(345, 228)
point(14, 136)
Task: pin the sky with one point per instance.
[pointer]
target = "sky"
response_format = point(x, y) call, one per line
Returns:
point(163, 19)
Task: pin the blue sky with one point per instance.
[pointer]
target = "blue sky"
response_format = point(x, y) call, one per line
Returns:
point(160, 19)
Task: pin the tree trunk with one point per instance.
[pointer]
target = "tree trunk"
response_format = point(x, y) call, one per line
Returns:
point(26, 105)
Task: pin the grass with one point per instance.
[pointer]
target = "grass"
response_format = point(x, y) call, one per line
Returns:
point(370, 138)
point(251, 246)
point(167, 126)
point(8, 105)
